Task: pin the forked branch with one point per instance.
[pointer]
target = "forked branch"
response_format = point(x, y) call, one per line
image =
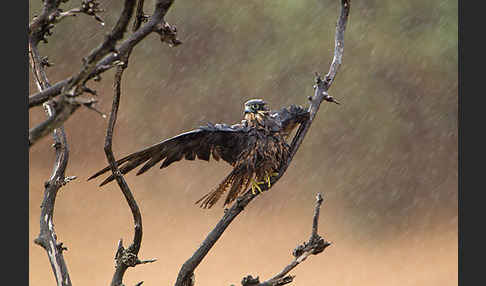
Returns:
point(59, 109)
point(315, 245)
point(186, 273)
point(102, 58)
point(67, 104)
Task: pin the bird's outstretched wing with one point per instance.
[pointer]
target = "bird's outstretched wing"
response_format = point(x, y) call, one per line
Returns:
point(220, 140)
point(288, 118)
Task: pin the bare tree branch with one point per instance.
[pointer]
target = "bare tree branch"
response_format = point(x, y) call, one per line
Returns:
point(124, 258)
point(67, 103)
point(43, 23)
point(338, 43)
point(161, 9)
point(100, 60)
point(315, 221)
point(47, 237)
point(51, 14)
point(37, 67)
point(139, 16)
point(59, 113)
point(107, 46)
point(314, 245)
point(48, 93)
point(59, 109)
point(186, 273)
point(88, 7)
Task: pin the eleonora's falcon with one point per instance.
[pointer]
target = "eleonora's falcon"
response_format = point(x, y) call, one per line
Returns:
point(256, 148)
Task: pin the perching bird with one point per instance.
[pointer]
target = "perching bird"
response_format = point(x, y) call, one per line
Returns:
point(256, 148)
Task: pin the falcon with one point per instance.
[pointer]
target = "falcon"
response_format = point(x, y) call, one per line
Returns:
point(256, 148)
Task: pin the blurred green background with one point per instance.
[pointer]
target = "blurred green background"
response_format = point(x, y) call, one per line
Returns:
point(385, 160)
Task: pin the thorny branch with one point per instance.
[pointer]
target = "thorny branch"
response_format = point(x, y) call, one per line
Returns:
point(102, 58)
point(186, 273)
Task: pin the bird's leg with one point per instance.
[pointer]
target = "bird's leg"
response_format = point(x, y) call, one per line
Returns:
point(267, 178)
point(255, 186)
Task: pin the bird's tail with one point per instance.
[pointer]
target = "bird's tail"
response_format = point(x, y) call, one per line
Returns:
point(237, 181)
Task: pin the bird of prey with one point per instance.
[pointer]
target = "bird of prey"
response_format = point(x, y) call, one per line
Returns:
point(256, 148)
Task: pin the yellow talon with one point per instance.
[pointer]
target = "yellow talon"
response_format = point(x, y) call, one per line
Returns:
point(255, 186)
point(274, 174)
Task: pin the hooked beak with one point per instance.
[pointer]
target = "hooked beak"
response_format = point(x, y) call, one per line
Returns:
point(247, 109)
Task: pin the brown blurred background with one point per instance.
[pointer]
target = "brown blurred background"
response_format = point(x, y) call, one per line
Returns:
point(385, 160)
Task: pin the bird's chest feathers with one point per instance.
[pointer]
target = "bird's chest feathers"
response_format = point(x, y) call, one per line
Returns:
point(264, 148)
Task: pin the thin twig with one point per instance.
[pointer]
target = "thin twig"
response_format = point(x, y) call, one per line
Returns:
point(320, 94)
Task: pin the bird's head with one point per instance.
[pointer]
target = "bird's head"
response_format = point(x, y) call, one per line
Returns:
point(255, 105)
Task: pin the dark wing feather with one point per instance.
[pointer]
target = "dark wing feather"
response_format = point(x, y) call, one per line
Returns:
point(223, 141)
point(289, 117)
